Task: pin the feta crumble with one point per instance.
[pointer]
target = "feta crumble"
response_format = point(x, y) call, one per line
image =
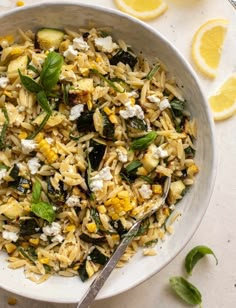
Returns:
point(3, 172)
point(76, 111)
point(80, 44)
point(52, 229)
point(154, 99)
point(57, 238)
point(10, 236)
point(132, 111)
point(3, 82)
point(34, 165)
point(28, 146)
point(122, 156)
point(70, 53)
point(73, 201)
point(145, 191)
point(105, 44)
point(97, 181)
point(164, 104)
point(160, 153)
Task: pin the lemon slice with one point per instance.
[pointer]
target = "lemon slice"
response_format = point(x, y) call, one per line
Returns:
point(223, 103)
point(142, 9)
point(207, 46)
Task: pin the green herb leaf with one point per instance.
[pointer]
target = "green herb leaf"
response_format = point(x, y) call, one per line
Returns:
point(43, 101)
point(147, 179)
point(111, 84)
point(26, 255)
point(29, 83)
point(44, 210)
point(177, 107)
point(143, 142)
point(195, 255)
point(137, 123)
point(40, 127)
point(36, 192)
point(2, 166)
point(4, 129)
point(152, 72)
point(51, 70)
point(65, 89)
point(134, 165)
point(185, 290)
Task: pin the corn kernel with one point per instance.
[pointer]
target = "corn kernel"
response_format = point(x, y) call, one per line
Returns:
point(192, 170)
point(70, 228)
point(16, 51)
point(22, 135)
point(44, 260)
point(107, 110)
point(20, 3)
point(101, 209)
point(113, 119)
point(91, 227)
point(39, 137)
point(10, 247)
point(157, 189)
point(34, 241)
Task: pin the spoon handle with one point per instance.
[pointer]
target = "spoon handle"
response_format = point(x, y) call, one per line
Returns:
point(233, 2)
point(97, 284)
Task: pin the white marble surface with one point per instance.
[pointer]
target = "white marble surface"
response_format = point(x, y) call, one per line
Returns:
point(217, 230)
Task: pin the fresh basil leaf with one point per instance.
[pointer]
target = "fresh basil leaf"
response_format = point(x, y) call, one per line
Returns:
point(51, 70)
point(44, 210)
point(195, 255)
point(185, 290)
point(147, 179)
point(33, 69)
point(40, 127)
point(36, 192)
point(111, 84)
point(152, 72)
point(4, 129)
point(43, 101)
point(134, 165)
point(29, 83)
point(143, 142)
point(177, 107)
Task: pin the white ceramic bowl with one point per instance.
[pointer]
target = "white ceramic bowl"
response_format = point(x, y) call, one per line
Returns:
point(194, 204)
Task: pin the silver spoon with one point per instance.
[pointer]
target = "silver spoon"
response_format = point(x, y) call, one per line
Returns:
point(99, 281)
point(233, 2)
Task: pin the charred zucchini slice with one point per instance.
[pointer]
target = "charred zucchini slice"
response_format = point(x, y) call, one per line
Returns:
point(97, 153)
point(49, 38)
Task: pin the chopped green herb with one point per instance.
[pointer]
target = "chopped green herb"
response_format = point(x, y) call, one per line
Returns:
point(152, 72)
point(40, 127)
point(143, 142)
point(177, 107)
point(29, 83)
point(43, 102)
point(44, 210)
point(108, 81)
point(134, 165)
point(4, 129)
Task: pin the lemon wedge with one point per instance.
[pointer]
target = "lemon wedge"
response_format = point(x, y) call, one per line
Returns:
point(207, 46)
point(142, 9)
point(223, 102)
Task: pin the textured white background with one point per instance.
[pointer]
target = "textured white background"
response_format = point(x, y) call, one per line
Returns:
point(217, 230)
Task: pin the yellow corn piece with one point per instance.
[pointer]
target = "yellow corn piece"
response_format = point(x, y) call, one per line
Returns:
point(44, 260)
point(34, 241)
point(7, 93)
point(89, 104)
point(166, 211)
point(132, 101)
point(107, 110)
point(39, 137)
point(20, 3)
point(16, 51)
point(115, 237)
point(101, 209)
point(10, 248)
point(192, 170)
point(91, 227)
point(157, 189)
point(47, 151)
point(22, 135)
point(70, 228)
point(113, 119)
point(98, 59)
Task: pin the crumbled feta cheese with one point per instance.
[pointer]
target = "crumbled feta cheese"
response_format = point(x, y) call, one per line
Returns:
point(3, 172)
point(10, 236)
point(159, 152)
point(49, 140)
point(70, 53)
point(57, 238)
point(53, 229)
point(145, 191)
point(122, 156)
point(80, 44)
point(164, 104)
point(73, 201)
point(34, 165)
point(76, 111)
point(105, 44)
point(3, 82)
point(133, 94)
point(28, 145)
point(132, 111)
point(43, 237)
point(97, 181)
point(154, 99)
point(172, 207)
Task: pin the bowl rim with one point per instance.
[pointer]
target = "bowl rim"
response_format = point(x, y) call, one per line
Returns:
point(188, 67)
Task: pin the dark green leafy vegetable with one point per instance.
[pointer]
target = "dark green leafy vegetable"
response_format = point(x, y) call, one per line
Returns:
point(95, 215)
point(137, 123)
point(85, 122)
point(147, 179)
point(108, 81)
point(50, 73)
point(134, 165)
point(4, 129)
point(27, 254)
point(29, 227)
point(128, 174)
point(43, 102)
point(93, 240)
point(36, 192)
point(21, 184)
point(177, 107)
point(118, 226)
point(14, 173)
point(56, 195)
point(40, 127)
point(97, 153)
point(143, 142)
point(98, 257)
point(152, 72)
point(65, 90)
point(195, 255)
point(108, 127)
point(33, 69)
point(83, 272)
point(185, 290)
point(47, 268)
point(29, 83)
point(44, 210)
point(124, 57)
point(189, 152)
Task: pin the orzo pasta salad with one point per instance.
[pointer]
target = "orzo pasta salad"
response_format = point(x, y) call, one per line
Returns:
point(89, 132)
